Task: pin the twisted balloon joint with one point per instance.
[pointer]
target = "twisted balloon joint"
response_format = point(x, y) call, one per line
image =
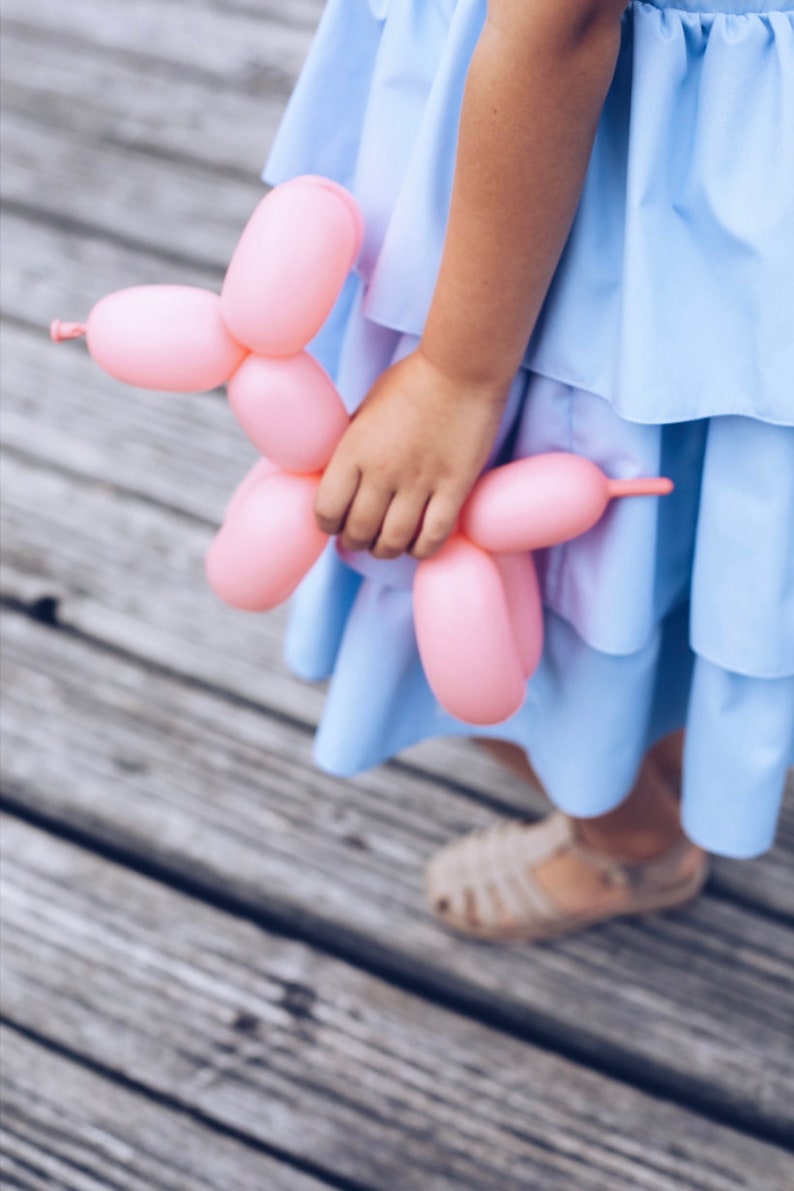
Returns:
point(477, 603)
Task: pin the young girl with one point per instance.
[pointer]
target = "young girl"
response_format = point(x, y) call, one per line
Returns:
point(580, 237)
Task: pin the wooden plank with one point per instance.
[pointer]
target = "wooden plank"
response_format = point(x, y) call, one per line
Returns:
point(696, 1002)
point(308, 1055)
point(130, 574)
point(65, 1128)
point(185, 209)
point(249, 46)
point(185, 452)
point(152, 104)
point(80, 146)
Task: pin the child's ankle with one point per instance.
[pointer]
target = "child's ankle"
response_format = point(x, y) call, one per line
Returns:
point(635, 846)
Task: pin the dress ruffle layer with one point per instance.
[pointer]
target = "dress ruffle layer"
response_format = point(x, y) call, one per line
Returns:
point(669, 613)
point(681, 610)
point(683, 238)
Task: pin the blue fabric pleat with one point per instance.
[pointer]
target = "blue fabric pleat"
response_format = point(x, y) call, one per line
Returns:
point(683, 238)
point(665, 346)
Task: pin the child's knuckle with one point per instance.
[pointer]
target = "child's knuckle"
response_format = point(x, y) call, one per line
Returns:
point(326, 518)
point(386, 551)
point(358, 535)
point(437, 530)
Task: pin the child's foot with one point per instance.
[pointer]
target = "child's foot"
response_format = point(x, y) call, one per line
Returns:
point(538, 881)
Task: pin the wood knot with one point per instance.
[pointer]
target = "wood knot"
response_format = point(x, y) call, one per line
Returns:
point(299, 1001)
point(245, 1023)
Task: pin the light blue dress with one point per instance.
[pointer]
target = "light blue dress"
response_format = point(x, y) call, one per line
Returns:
point(666, 346)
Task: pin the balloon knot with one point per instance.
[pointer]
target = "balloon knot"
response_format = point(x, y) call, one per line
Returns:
point(60, 332)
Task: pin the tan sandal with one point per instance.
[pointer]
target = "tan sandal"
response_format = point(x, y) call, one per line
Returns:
point(482, 885)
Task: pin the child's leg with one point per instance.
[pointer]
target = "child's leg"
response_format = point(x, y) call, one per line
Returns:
point(645, 826)
point(635, 857)
point(513, 758)
point(646, 823)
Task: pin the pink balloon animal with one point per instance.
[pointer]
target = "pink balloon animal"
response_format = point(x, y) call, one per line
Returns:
point(477, 603)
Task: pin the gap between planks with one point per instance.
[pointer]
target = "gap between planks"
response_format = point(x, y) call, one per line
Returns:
point(123, 783)
point(70, 1119)
point(352, 1075)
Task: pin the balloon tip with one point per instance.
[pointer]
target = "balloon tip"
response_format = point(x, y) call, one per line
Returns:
point(657, 486)
point(60, 331)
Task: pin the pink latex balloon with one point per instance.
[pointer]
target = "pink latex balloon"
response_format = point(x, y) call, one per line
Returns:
point(290, 265)
point(262, 470)
point(169, 337)
point(290, 409)
point(522, 592)
point(465, 634)
point(267, 543)
point(543, 500)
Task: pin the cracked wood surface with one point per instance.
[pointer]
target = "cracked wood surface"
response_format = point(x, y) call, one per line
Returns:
point(306, 1054)
point(160, 729)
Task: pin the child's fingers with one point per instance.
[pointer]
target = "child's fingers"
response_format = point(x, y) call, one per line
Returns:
point(439, 521)
point(400, 525)
point(365, 516)
point(335, 495)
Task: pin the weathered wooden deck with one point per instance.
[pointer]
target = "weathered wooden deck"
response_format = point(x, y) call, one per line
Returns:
point(218, 972)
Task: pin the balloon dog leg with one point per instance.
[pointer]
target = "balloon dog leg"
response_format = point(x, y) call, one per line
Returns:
point(522, 591)
point(262, 470)
point(465, 634)
point(267, 543)
point(290, 409)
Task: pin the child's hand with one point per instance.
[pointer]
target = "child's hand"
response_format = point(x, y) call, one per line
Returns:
point(402, 471)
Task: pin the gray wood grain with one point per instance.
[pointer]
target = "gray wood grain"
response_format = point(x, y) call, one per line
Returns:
point(183, 209)
point(220, 40)
point(312, 1056)
point(147, 101)
point(85, 142)
point(229, 798)
point(65, 1128)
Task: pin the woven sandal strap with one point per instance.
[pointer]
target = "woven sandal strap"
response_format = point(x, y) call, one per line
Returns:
point(653, 873)
point(529, 895)
point(500, 860)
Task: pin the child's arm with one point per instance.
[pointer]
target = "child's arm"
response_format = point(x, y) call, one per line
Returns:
point(533, 97)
